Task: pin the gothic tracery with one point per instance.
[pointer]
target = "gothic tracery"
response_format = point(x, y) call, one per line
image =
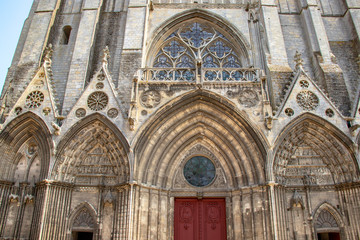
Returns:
point(193, 41)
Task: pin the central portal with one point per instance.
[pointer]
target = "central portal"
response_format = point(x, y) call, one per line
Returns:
point(200, 219)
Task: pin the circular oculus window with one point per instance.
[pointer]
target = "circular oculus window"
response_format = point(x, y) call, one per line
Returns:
point(199, 171)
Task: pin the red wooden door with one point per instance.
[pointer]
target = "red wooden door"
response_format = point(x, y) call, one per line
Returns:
point(200, 219)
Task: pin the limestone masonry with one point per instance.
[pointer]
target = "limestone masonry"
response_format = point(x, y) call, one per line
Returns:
point(183, 120)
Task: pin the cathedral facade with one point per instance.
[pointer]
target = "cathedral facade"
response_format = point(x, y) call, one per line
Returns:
point(184, 120)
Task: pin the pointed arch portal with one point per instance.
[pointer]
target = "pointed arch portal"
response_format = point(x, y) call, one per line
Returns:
point(202, 130)
point(327, 223)
point(93, 152)
point(314, 152)
point(27, 135)
point(198, 119)
point(83, 222)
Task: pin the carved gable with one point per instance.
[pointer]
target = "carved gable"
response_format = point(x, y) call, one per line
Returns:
point(39, 96)
point(304, 95)
point(98, 97)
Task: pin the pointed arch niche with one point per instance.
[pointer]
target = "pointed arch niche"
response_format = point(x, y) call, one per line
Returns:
point(93, 152)
point(311, 151)
point(25, 149)
point(83, 224)
point(328, 223)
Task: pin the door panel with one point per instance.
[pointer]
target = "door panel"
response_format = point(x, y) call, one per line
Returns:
point(214, 219)
point(200, 219)
point(186, 212)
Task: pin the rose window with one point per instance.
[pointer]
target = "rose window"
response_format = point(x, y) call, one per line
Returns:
point(97, 101)
point(199, 171)
point(329, 112)
point(34, 99)
point(304, 84)
point(307, 100)
point(289, 112)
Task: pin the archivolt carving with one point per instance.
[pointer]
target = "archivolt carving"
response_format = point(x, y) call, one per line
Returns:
point(305, 166)
point(18, 145)
point(173, 133)
point(310, 155)
point(93, 156)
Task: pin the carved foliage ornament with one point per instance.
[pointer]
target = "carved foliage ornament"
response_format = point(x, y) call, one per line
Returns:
point(80, 112)
point(304, 84)
point(113, 113)
point(101, 77)
point(46, 111)
point(289, 112)
point(186, 214)
point(18, 110)
point(329, 112)
point(248, 98)
point(150, 98)
point(307, 100)
point(99, 85)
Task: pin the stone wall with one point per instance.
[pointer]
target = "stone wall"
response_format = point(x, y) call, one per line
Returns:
point(95, 137)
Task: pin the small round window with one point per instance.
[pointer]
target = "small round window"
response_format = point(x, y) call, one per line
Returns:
point(199, 171)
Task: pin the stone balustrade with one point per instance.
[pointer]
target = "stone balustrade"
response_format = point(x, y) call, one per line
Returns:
point(217, 75)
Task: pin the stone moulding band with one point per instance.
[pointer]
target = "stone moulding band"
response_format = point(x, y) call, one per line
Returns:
point(207, 75)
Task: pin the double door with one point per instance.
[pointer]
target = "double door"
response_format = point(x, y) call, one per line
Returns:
point(200, 219)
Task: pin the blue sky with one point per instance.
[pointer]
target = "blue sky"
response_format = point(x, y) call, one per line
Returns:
point(12, 16)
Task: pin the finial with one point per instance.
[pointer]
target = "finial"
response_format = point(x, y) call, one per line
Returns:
point(106, 55)
point(298, 60)
point(108, 200)
point(296, 200)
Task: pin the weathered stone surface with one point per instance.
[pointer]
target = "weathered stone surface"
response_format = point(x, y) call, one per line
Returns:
point(98, 127)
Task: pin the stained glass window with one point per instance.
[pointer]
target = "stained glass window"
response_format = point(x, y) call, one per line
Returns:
point(199, 171)
point(194, 40)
